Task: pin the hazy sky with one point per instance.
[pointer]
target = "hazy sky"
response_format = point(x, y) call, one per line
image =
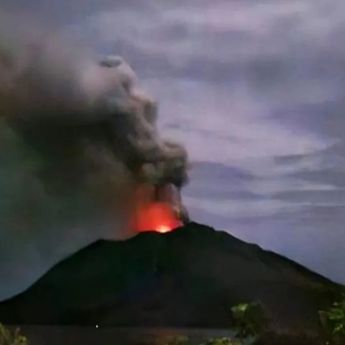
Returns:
point(255, 90)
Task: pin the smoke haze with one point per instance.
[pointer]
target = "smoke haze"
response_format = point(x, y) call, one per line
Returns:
point(77, 136)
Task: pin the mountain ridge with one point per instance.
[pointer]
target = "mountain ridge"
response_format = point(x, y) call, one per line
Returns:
point(189, 277)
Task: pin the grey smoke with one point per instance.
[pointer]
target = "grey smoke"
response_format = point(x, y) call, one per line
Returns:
point(77, 135)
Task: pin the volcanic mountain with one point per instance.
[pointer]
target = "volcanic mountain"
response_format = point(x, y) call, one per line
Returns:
point(189, 277)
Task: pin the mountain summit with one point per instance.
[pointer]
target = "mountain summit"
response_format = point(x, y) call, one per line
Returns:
point(189, 277)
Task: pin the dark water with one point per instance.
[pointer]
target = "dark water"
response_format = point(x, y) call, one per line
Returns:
point(71, 335)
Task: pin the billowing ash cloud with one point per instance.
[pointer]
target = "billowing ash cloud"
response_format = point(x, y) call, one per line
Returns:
point(77, 135)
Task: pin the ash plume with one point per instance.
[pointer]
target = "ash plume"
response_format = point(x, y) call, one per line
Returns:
point(76, 133)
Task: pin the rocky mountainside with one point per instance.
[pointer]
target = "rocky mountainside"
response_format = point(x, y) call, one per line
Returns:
point(189, 277)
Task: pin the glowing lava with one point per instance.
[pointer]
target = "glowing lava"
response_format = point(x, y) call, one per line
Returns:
point(163, 229)
point(159, 216)
point(156, 209)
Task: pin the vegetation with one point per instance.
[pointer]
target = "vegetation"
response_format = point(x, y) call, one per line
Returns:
point(8, 337)
point(214, 341)
point(176, 341)
point(333, 323)
point(250, 323)
point(249, 320)
point(225, 341)
point(251, 326)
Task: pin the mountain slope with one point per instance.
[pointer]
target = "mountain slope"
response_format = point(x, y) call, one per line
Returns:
point(189, 278)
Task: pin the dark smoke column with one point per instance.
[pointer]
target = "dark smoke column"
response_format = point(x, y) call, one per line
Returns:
point(160, 163)
point(136, 140)
point(90, 127)
point(169, 193)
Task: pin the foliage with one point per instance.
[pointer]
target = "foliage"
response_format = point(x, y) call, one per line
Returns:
point(8, 337)
point(176, 341)
point(249, 319)
point(288, 338)
point(223, 341)
point(250, 323)
point(333, 322)
point(213, 341)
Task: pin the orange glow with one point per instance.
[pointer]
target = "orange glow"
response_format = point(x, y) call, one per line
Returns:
point(163, 229)
point(158, 216)
point(151, 214)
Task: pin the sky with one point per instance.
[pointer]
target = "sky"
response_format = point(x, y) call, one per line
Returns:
point(254, 90)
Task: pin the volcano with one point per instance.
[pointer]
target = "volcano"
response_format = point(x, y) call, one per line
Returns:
point(189, 277)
